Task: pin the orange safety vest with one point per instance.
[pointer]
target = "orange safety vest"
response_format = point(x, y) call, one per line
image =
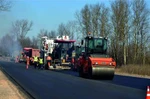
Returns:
point(31, 59)
point(28, 60)
point(17, 59)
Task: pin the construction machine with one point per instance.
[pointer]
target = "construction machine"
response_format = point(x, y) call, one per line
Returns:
point(94, 61)
point(46, 48)
point(78, 50)
point(63, 52)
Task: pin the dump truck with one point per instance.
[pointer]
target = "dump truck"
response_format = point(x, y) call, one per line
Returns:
point(31, 52)
point(93, 61)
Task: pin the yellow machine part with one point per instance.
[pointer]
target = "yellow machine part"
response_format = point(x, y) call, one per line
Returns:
point(63, 60)
point(104, 72)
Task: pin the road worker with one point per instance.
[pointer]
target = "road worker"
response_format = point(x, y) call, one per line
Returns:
point(28, 61)
point(48, 59)
point(31, 60)
point(16, 61)
point(40, 63)
point(35, 61)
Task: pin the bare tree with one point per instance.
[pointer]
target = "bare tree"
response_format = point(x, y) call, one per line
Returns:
point(94, 19)
point(43, 32)
point(95, 16)
point(26, 42)
point(20, 28)
point(5, 5)
point(52, 34)
point(71, 29)
point(80, 25)
point(62, 30)
point(84, 19)
point(34, 42)
point(8, 45)
point(140, 30)
point(104, 21)
point(120, 21)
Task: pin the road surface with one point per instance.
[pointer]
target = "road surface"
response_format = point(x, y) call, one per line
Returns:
point(45, 84)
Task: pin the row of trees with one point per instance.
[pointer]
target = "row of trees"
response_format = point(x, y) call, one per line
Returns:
point(124, 23)
point(130, 37)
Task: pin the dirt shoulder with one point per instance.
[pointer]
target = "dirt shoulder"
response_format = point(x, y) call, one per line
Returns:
point(117, 72)
point(141, 71)
point(8, 90)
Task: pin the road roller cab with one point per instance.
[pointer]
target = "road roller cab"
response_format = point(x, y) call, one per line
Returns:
point(94, 61)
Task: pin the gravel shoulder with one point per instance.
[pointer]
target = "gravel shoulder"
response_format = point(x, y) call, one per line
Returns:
point(8, 90)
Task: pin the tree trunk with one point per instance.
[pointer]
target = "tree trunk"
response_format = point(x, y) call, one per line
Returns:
point(125, 54)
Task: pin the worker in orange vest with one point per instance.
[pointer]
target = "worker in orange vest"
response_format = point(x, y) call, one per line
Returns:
point(32, 61)
point(28, 61)
point(49, 60)
point(16, 61)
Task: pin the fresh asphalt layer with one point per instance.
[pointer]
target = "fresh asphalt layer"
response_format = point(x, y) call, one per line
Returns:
point(47, 84)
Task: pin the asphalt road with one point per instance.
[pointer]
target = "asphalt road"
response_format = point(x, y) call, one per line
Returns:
point(46, 84)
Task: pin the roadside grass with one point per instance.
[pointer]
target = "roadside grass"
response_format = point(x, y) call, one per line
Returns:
point(143, 70)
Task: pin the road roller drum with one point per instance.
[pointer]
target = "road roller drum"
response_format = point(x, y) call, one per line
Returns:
point(101, 72)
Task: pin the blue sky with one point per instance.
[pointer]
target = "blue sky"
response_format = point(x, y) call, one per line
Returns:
point(45, 14)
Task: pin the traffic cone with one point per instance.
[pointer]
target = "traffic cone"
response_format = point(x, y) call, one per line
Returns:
point(148, 92)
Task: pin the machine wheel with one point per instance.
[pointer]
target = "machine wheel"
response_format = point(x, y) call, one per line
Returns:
point(111, 77)
point(60, 64)
point(90, 73)
point(72, 67)
point(46, 67)
point(54, 66)
point(81, 74)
